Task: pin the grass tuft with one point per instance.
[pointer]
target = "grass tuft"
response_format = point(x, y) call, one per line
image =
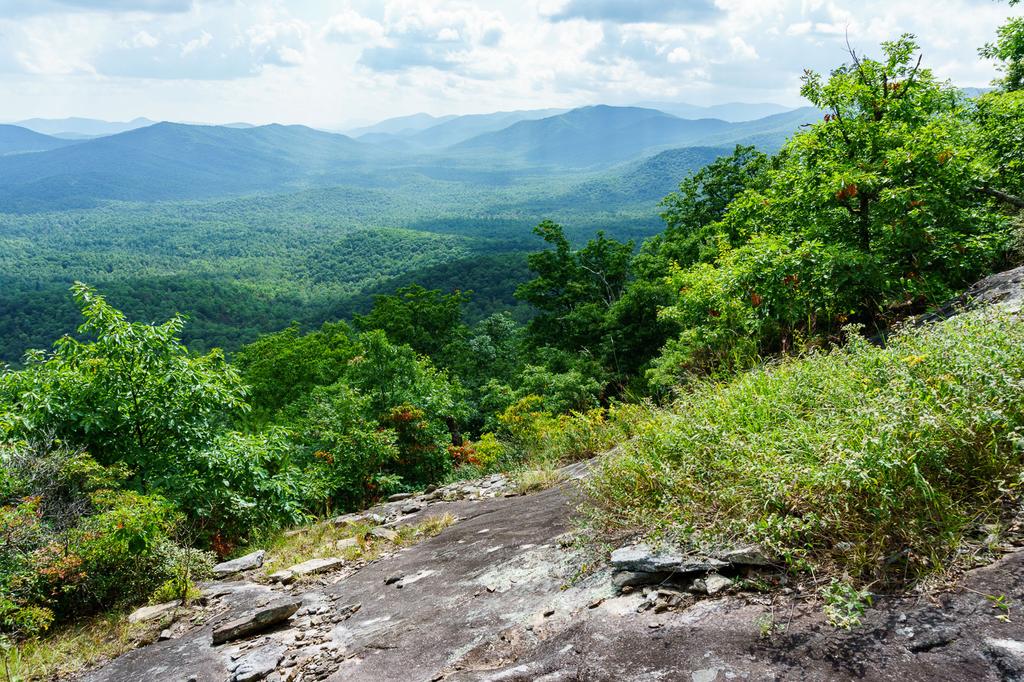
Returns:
point(67, 651)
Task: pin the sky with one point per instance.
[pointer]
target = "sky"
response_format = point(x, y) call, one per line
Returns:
point(338, 63)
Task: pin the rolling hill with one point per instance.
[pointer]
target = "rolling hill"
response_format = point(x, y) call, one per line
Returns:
point(597, 135)
point(174, 161)
point(82, 128)
point(593, 135)
point(18, 140)
point(733, 112)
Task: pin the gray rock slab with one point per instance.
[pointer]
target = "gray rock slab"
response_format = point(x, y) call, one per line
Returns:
point(259, 663)
point(248, 562)
point(315, 566)
point(148, 613)
point(257, 621)
point(642, 558)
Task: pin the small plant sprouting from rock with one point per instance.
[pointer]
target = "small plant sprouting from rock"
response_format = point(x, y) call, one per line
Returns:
point(1002, 604)
point(844, 604)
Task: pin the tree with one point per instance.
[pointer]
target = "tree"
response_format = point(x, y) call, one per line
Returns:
point(574, 290)
point(283, 368)
point(692, 212)
point(133, 394)
point(1008, 50)
point(869, 215)
point(692, 234)
point(428, 321)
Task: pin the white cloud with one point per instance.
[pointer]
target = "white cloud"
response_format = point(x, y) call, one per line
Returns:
point(143, 39)
point(202, 40)
point(350, 26)
point(679, 55)
point(317, 62)
point(741, 49)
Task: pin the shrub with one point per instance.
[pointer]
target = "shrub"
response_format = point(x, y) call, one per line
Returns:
point(867, 460)
point(534, 436)
point(73, 542)
point(240, 483)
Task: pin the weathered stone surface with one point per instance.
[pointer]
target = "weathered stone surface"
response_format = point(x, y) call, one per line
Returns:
point(243, 563)
point(347, 543)
point(384, 534)
point(636, 578)
point(284, 577)
point(748, 555)
point(934, 638)
point(314, 566)
point(148, 613)
point(259, 663)
point(479, 617)
point(642, 558)
point(412, 508)
point(359, 519)
point(712, 584)
point(1005, 289)
point(398, 497)
point(257, 621)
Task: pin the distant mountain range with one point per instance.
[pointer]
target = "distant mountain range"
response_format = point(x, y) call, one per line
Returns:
point(734, 112)
point(18, 140)
point(81, 128)
point(174, 161)
point(427, 132)
point(604, 134)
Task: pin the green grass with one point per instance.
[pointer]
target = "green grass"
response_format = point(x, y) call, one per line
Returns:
point(874, 464)
point(70, 649)
point(320, 541)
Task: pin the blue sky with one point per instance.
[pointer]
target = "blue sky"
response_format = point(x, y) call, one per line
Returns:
point(329, 63)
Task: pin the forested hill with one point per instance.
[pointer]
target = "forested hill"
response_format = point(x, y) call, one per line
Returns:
point(17, 140)
point(245, 229)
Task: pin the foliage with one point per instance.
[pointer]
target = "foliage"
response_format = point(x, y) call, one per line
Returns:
point(869, 215)
point(1008, 50)
point(133, 395)
point(283, 368)
point(534, 436)
point(573, 290)
point(871, 461)
point(73, 543)
point(844, 604)
point(427, 321)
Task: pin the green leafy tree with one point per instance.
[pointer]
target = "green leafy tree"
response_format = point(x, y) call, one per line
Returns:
point(574, 290)
point(283, 368)
point(1008, 51)
point(869, 215)
point(692, 234)
point(428, 321)
point(133, 394)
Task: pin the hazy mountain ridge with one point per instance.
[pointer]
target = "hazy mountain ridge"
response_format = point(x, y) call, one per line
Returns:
point(175, 161)
point(18, 140)
point(82, 127)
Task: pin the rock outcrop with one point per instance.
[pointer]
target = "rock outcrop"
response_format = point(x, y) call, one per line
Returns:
point(500, 596)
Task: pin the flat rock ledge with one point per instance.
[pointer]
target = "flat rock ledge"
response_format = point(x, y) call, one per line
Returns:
point(256, 621)
point(498, 596)
point(148, 613)
point(248, 562)
point(641, 564)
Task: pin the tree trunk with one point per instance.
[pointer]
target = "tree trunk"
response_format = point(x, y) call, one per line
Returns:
point(1002, 196)
point(453, 429)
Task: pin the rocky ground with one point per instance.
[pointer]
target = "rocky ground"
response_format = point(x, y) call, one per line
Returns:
point(502, 594)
